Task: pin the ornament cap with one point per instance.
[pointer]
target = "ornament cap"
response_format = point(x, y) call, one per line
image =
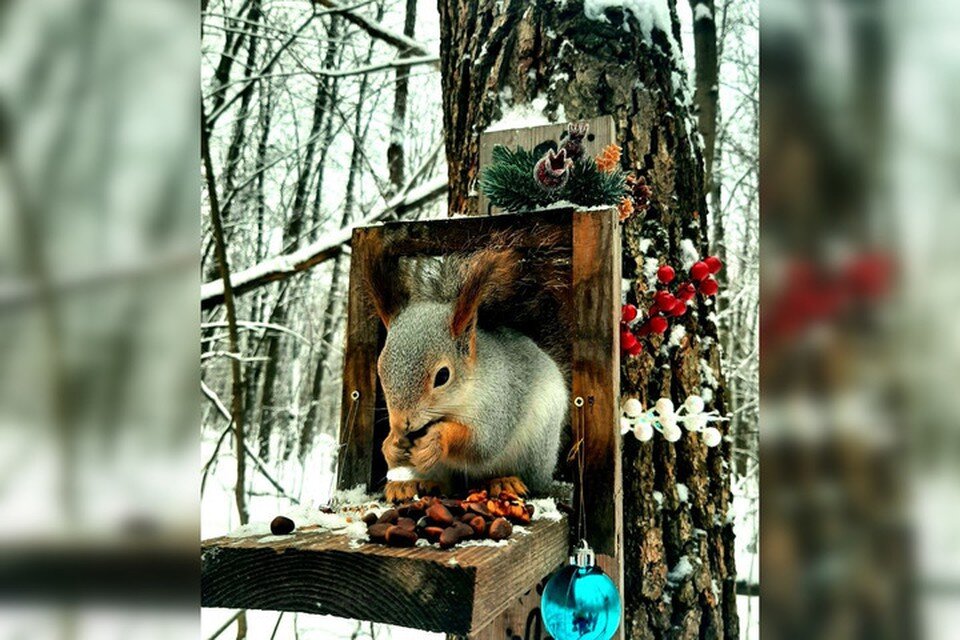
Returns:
point(584, 556)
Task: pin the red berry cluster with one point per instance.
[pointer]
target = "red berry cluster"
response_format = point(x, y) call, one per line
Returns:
point(667, 304)
point(813, 294)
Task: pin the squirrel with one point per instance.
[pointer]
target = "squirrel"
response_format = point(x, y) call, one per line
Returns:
point(480, 405)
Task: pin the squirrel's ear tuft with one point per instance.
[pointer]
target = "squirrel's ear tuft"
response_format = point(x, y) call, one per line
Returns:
point(383, 282)
point(488, 276)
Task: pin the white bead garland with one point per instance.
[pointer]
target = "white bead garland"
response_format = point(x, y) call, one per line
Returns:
point(665, 419)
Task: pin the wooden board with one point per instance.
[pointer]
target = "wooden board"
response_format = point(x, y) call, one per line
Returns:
point(456, 591)
point(360, 459)
point(602, 133)
point(596, 371)
point(596, 379)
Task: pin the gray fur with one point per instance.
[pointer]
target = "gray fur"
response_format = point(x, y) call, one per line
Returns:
point(513, 397)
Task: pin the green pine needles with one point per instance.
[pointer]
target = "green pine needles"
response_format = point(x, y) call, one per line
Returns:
point(510, 181)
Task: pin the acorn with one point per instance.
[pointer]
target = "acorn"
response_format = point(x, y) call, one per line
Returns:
point(281, 526)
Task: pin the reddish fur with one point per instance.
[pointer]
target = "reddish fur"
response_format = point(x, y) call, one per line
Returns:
point(489, 276)
point(383, 283)
point(455, 438)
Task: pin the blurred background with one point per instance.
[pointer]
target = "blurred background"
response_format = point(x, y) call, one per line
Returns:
point(306, 130)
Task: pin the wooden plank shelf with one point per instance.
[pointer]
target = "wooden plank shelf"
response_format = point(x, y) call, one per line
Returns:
point(458, 591)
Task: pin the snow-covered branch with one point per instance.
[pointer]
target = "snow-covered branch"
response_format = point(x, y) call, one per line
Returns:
point(398, 40)
point(330, 245)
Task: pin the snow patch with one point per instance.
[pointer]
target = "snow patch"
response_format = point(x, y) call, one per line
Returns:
point(688, 253)
point(706, 371)
point(650, 266)
point(545, 509)
point(683, 493)
point(677, 332)
point(681, 572)
point(520, 116)
point(702, 12)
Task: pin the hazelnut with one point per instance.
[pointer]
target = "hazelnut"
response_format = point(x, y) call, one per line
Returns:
point(500, 529)
point(370, 518)
point(281, 526)
point(440, 515)
point(406, 524)
point(399, 537)
point(464, 530)
point(378, 532)
point(454, 506)
point(432, 533)
point(478, 524)
point(389, 516)
point(449, 537)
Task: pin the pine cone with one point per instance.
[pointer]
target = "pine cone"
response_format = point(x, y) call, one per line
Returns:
point(551, 171)
point(573, 144)
point(609, 158)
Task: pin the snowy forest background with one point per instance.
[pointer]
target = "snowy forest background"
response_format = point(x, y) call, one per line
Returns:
point(313, 129)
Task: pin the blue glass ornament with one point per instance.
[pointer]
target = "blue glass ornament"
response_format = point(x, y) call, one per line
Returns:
point(580, 602)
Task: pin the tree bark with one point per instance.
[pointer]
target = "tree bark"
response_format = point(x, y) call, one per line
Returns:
point(498, 54)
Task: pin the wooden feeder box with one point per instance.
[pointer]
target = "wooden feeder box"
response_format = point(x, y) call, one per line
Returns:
point(480, 591)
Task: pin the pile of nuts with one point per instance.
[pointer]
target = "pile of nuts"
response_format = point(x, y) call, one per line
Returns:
point(449, 521)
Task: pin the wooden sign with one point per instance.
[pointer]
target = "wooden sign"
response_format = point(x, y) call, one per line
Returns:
point(602, 133)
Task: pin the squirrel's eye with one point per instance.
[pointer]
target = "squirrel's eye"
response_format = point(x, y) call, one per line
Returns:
point(443, 375)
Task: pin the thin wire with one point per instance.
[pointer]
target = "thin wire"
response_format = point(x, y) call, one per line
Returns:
point(581, 516)
point(351, 420)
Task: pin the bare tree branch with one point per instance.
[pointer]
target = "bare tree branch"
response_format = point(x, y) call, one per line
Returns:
point(331, 245)
point(398, 40)
point(235, 368)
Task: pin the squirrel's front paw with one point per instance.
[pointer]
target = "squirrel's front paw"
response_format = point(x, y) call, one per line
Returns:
point(507, 484)
point(398, 491)
point(427, 451)
point(401, 491)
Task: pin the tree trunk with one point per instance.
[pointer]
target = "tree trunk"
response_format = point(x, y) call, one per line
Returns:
point(516, 52)
point(707, 94)
point(395, 154)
